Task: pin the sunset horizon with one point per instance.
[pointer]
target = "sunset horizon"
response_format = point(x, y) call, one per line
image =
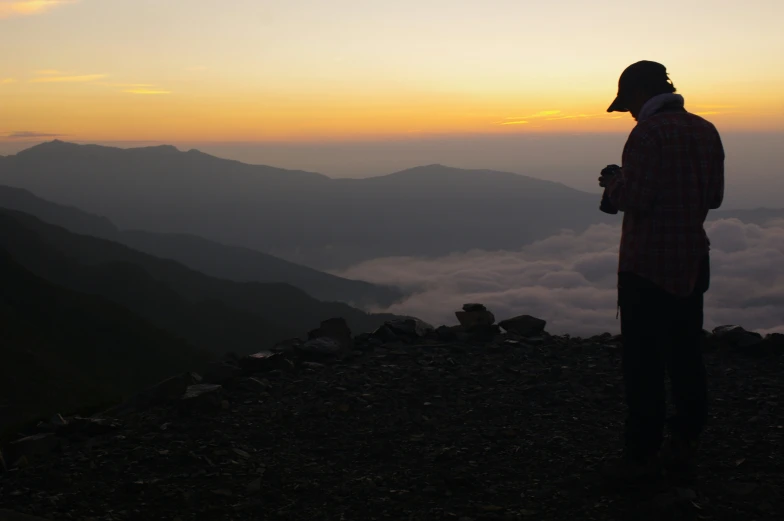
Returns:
point(95, 71)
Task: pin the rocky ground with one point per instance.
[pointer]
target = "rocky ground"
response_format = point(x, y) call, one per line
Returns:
point(401, 426)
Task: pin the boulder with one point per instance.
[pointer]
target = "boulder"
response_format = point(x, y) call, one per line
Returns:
point(384, 334)
point(202, 396)
point(409, 327)
point(58, 421)
point(287, 345)
point(261, 362)
point(336, 329)
point(79, 427)
point(474, 307)
point(3, 466)
point(447, 333)
point(169, 389)
point(774, 343)
point(736, 336)
point(482, 334)
point(524, 325)
point(322, 346)
point(475, 319)
point(220, 373)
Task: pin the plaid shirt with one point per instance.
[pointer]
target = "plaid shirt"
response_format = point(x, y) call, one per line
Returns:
point(672, 174)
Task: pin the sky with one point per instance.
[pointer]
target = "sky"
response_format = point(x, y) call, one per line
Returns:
point(315, 70)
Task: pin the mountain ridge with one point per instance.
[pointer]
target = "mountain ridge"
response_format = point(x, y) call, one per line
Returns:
point(306, 218)
point(214, 314)
point(212, 258)
point(310, 219)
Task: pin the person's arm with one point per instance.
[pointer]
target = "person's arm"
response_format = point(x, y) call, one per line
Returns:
point(636, 188)
point(716, 188)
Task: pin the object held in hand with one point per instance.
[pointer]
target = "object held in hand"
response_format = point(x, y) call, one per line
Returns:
point(607, 172)
point(611, 170)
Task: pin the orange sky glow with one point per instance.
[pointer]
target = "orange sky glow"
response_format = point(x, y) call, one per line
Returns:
point(198, 70)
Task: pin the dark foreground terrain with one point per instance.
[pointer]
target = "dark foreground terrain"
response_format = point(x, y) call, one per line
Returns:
point(508, 428)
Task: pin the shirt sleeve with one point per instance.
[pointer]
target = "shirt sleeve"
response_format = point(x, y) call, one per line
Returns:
point(716, 194)
point(636, 188)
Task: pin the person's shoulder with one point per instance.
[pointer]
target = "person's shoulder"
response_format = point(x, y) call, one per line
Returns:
point(704, 128)
point(674, 123)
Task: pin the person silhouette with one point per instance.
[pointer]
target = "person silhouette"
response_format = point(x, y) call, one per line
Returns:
point(672, 174)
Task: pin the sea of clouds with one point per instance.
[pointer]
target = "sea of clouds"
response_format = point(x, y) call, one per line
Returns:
point(569, 280)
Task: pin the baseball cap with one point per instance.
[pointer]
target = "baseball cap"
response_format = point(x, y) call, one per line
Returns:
point(651, 75)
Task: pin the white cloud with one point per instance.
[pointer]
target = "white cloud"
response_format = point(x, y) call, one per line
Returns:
point(569, 280)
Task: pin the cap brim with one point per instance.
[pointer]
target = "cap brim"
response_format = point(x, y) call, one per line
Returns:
point(617, 106)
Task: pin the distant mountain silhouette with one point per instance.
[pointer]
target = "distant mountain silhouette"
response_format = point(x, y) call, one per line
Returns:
point(302, 216)
point(232, 263)
point(69, 217)
point(63, 349)
point(212, 314)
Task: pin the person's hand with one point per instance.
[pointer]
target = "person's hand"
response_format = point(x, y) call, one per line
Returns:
point(608, 175)
point(606, 180)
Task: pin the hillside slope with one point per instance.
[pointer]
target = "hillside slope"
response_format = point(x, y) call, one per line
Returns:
point(63, 350)
point(214, 314)
point(210, 257)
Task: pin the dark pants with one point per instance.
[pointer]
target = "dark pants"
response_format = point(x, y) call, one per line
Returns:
point(662, 333)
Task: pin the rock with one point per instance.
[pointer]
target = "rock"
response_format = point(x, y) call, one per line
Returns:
point(166, 390)
point(384, 334)
point(260, 362)
point(3, 467)
point(409, 327)
point(220, 373)
point(58, 421)
point(483, 333)
point(322, 346)
point(524, 325)
point(33, 447)
point(335, 329)
point(202, 395)
point(474, 319)
point(773, 343)
point(474, 307)
point(362, 339)
point(736, 336)
point(448, 334)
point(10, 515)
point(241, 453)
point(287, 345)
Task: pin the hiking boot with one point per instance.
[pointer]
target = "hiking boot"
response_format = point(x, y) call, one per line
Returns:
point(679, 459)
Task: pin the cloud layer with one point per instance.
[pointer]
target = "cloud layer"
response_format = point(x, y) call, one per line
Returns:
point(29, 134)
point(569, 280)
